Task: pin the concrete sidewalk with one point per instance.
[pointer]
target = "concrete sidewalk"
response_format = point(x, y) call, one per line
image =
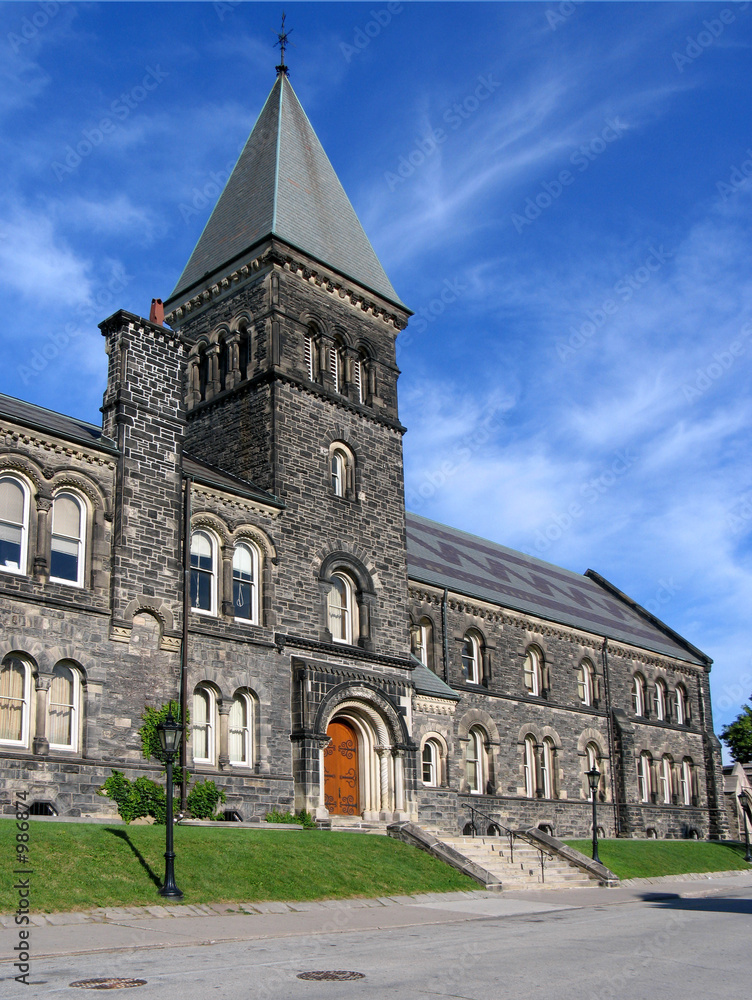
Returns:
point(127, 928)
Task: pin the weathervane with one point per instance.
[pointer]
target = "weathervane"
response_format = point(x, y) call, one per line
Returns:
point(282, 37)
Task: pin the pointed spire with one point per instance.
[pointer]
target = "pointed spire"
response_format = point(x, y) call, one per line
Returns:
point(283, 185)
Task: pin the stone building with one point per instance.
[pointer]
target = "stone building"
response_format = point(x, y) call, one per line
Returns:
point(236, 530)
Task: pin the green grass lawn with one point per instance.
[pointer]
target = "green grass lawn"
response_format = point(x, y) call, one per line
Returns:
point(81, 866)
point(651, 858)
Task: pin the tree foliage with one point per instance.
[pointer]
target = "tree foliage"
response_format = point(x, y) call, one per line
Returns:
point(738, 736)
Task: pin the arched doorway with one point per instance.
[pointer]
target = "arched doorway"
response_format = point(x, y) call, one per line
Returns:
point(342, 770)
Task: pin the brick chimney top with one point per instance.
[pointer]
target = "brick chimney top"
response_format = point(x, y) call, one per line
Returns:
point(156, 315)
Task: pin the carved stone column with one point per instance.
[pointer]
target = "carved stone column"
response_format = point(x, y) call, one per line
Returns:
point(40, 744)
point(384, 804)
point(224, 733)
point(228, 609)
point(41, 568)
point(232, 345)
point(399, 784)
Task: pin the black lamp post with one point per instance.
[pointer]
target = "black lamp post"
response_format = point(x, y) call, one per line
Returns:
point(169, 737)
point(748, 854)
point(594, 777)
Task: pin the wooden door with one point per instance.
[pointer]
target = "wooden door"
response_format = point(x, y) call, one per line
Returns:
point(341, 770)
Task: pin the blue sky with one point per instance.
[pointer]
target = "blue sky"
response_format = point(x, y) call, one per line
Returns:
point(558, 190)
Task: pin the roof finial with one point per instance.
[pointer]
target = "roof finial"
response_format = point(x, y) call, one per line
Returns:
point(282, 37)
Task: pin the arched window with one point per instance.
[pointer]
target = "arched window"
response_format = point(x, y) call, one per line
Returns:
point(357, 375)
point(665, 780)
point(204, 725)
point(421, 642)
point(687, 782)
point(638, 694)
point(471, 657)
point(680, 702)
point(533, 671)
point(529, 767)
point(431, 760)
point(15, 695)
point(586, 683)
point(475, 761)
point(592, 756)
point(339, 472)
point(14, 524)
point(644, 767)
point(660, 701)
point(203, 573)
point(342, 609)
point(548, 768)
point(244, 351)
point(67, 547)
point(245, 561)
point(63, 710)
point(241, 730)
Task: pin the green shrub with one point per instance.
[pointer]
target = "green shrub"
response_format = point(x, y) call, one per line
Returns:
point(303, 818)
point(150, 745)
point(135, 799)
point(204, 798)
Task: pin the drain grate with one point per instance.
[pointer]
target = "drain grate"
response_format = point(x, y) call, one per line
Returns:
point(107, 984)
point(336, 975)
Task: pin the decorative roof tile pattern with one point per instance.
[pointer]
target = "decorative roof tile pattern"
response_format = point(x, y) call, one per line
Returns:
point(445, 557)
point(284, 185)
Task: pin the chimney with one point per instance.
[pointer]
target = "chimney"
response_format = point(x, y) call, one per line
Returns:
point(156, 315)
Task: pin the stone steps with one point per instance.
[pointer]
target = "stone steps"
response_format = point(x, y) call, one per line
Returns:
point(493, 854)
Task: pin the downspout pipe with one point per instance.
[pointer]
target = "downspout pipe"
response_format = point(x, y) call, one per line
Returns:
point(611, 738)
point(187, 484)
point(444, 633)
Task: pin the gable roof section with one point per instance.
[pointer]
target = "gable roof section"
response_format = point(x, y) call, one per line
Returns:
point(212, 475)
point(49, 422)
point(283, 185)
point(445, 557)
point(428, 683)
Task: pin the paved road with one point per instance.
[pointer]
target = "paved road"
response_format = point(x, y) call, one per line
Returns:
point(590, 945)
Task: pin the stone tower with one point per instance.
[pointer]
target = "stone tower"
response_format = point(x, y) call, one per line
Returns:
point(290, 325)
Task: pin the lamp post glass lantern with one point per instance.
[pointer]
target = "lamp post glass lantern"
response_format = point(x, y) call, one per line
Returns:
point(169, 733)
point(594, 778)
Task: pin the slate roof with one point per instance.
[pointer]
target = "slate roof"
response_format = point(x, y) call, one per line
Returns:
point(38, 418)
point(284, 185)
point(211, 475)
point(426, 682)
point(466, 564)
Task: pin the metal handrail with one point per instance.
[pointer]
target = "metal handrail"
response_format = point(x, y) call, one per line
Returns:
point(500, 827)
point(511, 835)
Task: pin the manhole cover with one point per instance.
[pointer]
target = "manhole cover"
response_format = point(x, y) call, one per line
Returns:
point(108, 984)
point(337, 974)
